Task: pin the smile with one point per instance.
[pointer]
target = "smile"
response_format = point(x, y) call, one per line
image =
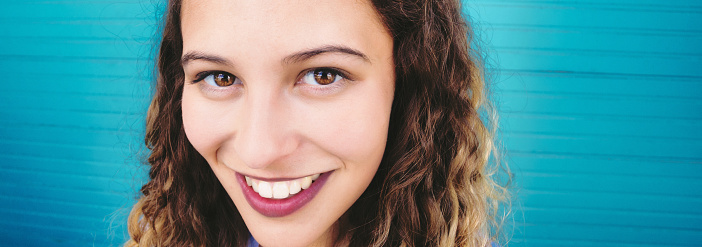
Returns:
point(280, 197)
point(280, 189)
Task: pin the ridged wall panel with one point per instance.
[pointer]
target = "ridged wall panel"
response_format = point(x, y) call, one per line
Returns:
point(75, 88)
point(600, 116)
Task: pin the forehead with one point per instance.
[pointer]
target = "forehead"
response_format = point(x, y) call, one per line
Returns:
point(275, 26)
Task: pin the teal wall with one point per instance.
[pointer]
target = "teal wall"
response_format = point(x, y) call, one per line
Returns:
point(75, 86)
point(601, 111)
point(599, 103)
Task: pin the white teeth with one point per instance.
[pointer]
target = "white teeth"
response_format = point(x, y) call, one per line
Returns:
point(254, 185)
point(295, 187)
point(306, 182)
point(280, 189)
point(264, 189)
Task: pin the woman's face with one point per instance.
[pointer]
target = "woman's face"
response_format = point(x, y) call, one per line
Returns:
point(280, 93)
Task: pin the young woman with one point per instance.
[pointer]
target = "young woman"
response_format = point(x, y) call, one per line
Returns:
point(317, 123)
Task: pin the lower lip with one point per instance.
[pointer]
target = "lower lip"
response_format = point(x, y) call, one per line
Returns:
point(281, 207)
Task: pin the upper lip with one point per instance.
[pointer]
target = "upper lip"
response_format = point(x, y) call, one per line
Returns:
point(280, 178)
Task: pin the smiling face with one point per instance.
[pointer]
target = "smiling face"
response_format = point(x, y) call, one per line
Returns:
point(280, 93)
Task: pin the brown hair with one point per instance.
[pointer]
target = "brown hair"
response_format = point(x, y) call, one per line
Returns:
point(434, 184)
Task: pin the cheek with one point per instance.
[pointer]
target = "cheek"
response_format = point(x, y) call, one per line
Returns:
point(200, 128)
point(357, 132)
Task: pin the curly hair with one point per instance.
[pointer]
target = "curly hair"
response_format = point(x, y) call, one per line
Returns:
point(434, 186)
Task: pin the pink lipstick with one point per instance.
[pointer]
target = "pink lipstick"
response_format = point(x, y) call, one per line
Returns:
point(280, 198)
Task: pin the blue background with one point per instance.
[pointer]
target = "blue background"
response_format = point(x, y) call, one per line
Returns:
point(599, 101)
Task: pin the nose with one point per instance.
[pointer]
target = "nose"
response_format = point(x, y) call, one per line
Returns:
point(265, 133)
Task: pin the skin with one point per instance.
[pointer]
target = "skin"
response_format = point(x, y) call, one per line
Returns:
point(273, 123)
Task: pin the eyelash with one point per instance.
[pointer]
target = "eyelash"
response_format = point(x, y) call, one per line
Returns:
point(202, 75)
point(337, 72)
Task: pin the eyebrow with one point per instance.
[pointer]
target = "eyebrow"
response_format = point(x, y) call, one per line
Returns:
point(194, 55)
point(307, 54)
point(294, 58)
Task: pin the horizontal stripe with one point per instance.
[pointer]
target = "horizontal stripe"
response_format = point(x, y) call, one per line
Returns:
point(87, 120)
point(107, 198)
point(540, 14)
point(605, 233)
point(595, 166)
point(73, 11)
point(623, 218)
point(600, 200)
point(619, 85)
point(604, 145)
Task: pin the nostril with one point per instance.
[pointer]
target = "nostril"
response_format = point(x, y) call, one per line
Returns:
point(259, 151)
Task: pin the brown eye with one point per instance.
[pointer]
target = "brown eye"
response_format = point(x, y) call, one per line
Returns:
point(218, 79)
point(223, 80)
point(322, 76)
